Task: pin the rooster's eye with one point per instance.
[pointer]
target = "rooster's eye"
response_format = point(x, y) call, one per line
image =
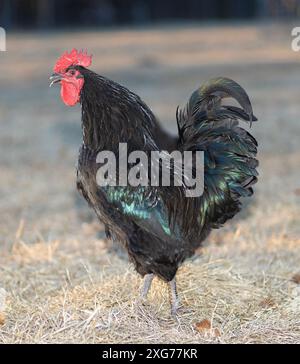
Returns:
point(72, 72)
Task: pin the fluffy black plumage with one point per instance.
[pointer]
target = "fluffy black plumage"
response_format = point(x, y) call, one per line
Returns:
point(159, 226)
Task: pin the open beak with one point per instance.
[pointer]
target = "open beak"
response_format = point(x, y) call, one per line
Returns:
point(56, 77)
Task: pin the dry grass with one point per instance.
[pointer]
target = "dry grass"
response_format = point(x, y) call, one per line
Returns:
point(63, 282)
point(65, 292)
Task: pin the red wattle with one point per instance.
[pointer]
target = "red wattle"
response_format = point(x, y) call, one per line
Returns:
point(70, 92)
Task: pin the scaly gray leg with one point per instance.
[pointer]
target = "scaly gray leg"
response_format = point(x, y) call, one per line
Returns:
point(173, 296)
point(146, 286)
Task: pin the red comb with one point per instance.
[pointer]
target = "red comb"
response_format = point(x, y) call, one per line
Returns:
point(72, 59)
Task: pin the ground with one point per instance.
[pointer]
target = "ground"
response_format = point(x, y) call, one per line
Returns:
point(64, 282)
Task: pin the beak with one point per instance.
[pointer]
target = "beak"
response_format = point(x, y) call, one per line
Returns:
point(56, 77)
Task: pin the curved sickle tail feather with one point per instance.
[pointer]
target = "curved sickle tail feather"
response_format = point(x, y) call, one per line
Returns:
point(220, 88)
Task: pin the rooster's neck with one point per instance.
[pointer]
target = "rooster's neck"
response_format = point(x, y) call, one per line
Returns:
point(111, 114)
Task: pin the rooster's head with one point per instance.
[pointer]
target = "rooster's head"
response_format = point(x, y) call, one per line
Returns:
point(67, 73)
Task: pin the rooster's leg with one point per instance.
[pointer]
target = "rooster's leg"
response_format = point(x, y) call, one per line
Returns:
point(146, 286)
point(173, 296)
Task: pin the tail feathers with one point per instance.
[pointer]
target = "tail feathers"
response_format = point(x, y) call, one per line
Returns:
point(205, 106)
point(230, 151)
point(211, 93)
point(206, 103)
point(238, 113)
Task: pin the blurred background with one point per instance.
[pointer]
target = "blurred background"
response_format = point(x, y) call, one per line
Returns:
point(163, 51)
point(63, 13)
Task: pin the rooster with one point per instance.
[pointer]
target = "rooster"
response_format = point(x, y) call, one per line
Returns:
point(159, 226)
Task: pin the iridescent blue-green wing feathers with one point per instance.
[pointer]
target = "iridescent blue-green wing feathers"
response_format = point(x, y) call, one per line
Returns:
point(144, 207)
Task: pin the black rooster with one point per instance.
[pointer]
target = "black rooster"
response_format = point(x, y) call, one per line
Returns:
point(160, 226)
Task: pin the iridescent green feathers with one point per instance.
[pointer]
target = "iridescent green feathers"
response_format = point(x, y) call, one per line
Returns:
point(145, 208)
